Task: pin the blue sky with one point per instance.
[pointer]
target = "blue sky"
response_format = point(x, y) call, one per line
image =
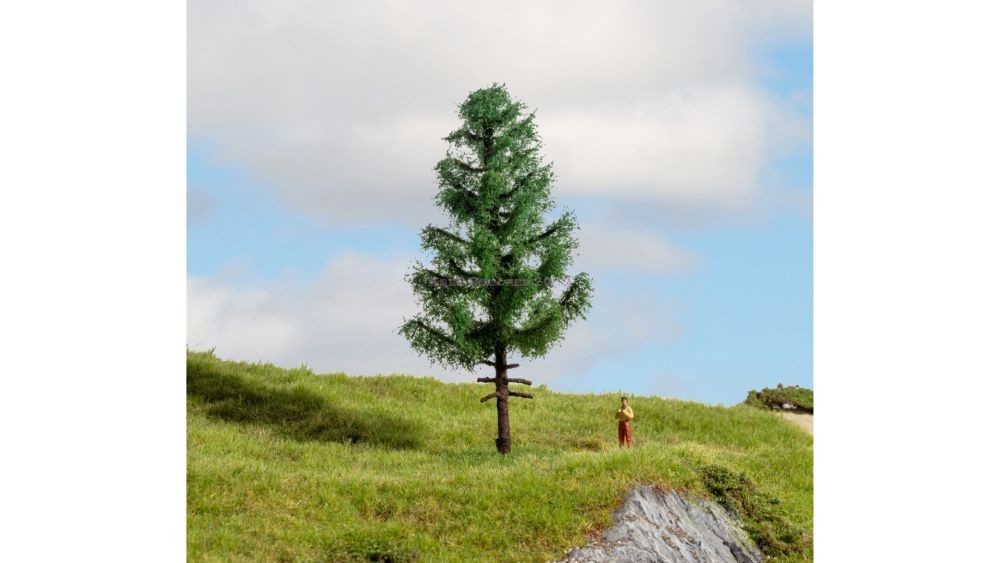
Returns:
point(296, 257)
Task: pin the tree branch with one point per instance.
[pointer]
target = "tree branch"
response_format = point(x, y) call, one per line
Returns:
point(437, 333)
point(467, 167)
point(443, 233)
point(453, 264)
point(569, 293)
point(555, 227)
point(522, 395)
point(517, 186)
point(462, 190)
point(493, 364)
point(509, 380)
point(488, 397)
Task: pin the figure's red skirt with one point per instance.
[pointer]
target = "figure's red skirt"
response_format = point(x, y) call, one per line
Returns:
point(624, 432)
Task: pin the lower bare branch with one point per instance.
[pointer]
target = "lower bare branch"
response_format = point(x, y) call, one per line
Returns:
point(523, 395)
point(509, 380)
point(488, 397)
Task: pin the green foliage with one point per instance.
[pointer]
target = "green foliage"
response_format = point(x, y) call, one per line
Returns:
point(800, 398)
point(490, 284)
point(762, 515)
point(287, 465)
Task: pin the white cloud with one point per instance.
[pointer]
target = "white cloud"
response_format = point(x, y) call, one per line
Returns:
point(703, 147)
point(341, 106)
point(606, 247)
point(346, 320)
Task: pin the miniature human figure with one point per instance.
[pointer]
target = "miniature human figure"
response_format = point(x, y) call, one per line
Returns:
point(624, 416)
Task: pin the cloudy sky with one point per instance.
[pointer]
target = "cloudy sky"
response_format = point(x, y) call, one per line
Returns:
point(681, 133)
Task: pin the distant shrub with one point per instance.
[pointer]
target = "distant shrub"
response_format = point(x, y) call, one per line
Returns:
point(799, 399)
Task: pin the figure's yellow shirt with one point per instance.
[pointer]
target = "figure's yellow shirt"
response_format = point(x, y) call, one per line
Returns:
point(625, 414)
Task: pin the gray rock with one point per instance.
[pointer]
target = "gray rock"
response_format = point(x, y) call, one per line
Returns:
point(656, 525)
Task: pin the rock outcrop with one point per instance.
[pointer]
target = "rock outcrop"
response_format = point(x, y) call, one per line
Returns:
point(655, 525)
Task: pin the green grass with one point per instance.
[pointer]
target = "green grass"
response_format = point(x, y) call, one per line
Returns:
point(800, 398)
point(287, 465)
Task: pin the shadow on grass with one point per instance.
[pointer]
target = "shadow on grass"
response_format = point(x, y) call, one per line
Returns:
point(296, 413)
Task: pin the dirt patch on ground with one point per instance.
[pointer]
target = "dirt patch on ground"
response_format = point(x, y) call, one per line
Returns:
point(802, 420)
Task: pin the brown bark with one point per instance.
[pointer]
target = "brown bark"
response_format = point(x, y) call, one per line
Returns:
point(503, 415)
point(502, 395)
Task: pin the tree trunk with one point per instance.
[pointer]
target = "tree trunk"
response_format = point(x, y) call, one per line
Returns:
point(503, 417)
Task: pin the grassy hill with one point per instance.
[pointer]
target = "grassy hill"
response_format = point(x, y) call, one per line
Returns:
point(287, 465)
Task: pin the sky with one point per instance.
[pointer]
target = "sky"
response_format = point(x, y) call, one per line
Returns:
point(680, 132)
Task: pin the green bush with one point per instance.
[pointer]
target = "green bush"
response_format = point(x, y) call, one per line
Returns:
point(761, 514)
point(800, 398)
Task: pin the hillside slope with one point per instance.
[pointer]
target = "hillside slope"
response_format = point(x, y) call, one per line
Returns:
point(286, 465)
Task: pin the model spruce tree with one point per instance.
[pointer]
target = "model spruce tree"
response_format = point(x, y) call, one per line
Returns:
point(497, 283)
